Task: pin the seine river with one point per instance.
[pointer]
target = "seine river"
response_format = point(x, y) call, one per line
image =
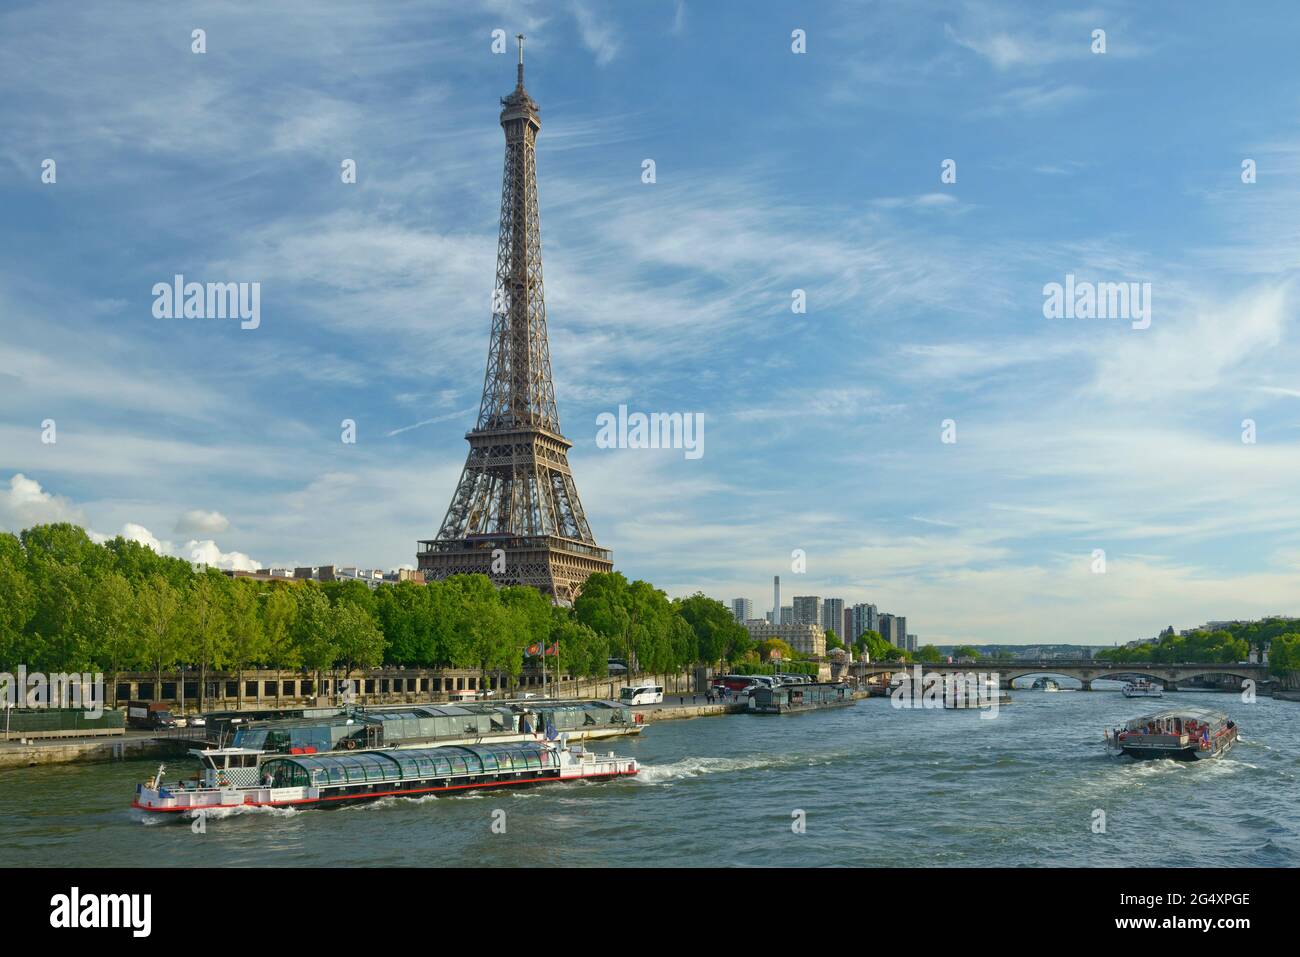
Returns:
point(876, 785)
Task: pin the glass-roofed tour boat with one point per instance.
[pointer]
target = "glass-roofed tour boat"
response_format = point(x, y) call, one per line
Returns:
point(243, 777)
point(1184, 734)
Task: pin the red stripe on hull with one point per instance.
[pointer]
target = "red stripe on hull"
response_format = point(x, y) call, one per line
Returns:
point(375, 794)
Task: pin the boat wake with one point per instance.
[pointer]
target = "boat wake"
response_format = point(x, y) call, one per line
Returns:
point(211, 814)
point(688, 768)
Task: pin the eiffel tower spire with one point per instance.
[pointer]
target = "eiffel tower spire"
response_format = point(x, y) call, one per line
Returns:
point(516, 493)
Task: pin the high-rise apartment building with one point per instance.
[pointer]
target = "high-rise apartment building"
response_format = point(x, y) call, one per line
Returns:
point(833, 615)
point(742, 609)
point(865, 618)
point(807, 610)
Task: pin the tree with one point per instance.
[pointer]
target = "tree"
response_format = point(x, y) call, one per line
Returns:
point(207, 622)
point(717, 633)
point(358, 641)
point(929, 654)
point(877, 648)
point(17, 602)
point(582, 651)
point(158, 607)
point(775, 646)
point(635, 617)
point(115, 620)
point(833, 640)
point(603, 607)
point(248, 642)
point(314, 631)
point(278, 610)
point(1284, 654)
point(59, 630)
point(966, 651)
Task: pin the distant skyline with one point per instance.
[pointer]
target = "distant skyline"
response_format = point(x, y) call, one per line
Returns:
point(774, 172)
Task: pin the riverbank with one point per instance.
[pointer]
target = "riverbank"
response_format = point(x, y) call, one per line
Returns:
point(137, 744)
point(667, 712)
point(14, 754)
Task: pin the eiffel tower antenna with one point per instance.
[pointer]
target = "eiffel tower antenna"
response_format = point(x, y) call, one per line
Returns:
point(515, 515)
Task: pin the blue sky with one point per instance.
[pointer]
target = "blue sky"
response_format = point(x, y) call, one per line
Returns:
point(775, 171)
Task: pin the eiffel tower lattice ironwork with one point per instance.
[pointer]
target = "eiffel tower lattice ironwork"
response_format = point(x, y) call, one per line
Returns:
point(515, 515)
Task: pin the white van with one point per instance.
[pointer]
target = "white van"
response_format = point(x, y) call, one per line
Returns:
point(641, 694)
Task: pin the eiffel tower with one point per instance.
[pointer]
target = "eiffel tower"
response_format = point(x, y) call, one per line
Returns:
point(515, 515)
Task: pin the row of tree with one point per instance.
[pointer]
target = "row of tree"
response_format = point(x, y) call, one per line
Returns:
point(1170, 648)
point(70, 604)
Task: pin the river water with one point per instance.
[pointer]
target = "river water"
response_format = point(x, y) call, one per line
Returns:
point(876, 785)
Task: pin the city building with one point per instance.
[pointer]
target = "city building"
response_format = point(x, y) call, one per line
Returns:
point(373, 577)
point(807, 610)
point(807, 639)
point(865, 618)
point(787, 615)
point(742, 609)
point(911, 642)
point(891, 631)
point(833, 615)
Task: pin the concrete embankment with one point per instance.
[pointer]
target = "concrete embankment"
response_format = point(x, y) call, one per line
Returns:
point(14, 754)
point(690, 711)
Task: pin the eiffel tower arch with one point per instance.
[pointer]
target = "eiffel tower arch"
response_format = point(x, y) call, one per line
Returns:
point(516, 499)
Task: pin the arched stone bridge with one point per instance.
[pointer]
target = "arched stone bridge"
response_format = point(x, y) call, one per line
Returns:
point(1085, 670)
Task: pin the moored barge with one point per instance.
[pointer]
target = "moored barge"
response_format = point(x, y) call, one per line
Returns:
point(421, 726)
point(1184, 734)
point(235, 778)
point(790, 698)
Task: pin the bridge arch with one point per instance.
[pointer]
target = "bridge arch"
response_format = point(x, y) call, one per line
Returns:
point(1009, 678)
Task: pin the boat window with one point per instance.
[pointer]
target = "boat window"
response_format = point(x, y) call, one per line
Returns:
point(252, 738)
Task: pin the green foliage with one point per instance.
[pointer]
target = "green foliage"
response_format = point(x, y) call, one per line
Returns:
point(1284, 655)
point(966, 651)
point(69, 603)
point(718, 636)
point(878, 648)
point(833, 640)
point(929, 654)
point(1210, 646)
point(771, 646)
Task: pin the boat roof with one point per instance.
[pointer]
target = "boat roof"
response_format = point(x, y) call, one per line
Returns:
point(1200, 714)
point(408, 763)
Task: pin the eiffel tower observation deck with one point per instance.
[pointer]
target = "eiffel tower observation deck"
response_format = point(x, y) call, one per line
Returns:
point(515, 515)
